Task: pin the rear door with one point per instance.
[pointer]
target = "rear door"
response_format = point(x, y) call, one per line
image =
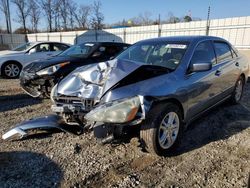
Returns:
point(228, 67)
point(57, 48)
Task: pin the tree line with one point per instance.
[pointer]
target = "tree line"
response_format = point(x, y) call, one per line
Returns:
point(60, 15)
point(67, 15)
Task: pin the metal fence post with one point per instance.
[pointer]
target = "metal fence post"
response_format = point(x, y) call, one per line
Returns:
point(60, 36)
point(159, 30)
point(76, 38)
point(124, 35)
point(96, 35)
point(2, 39)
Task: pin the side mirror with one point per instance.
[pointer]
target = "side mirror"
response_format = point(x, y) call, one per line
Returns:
point(96, 54)
point(33, 50)
point(200, 67)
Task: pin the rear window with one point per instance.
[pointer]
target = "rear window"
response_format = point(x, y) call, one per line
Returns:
point(59, 47)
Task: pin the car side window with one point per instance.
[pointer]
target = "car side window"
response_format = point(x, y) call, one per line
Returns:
point(112, 50)
point(43, 48)
point(234, 53)
point(59, 47)
point(223, 51)
point(204, 53)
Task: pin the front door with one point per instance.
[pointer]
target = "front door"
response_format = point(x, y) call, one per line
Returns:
point(40, 51)
point(202, 87)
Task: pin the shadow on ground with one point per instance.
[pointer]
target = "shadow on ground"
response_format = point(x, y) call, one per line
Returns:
point(28, 169)
point(11, 102)
point(220, 123)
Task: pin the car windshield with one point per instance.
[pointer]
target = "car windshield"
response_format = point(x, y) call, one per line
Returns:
point(163, 54)
point(23, 46)
point(81, 50)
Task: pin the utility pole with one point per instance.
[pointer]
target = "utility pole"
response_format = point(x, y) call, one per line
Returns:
point(208, 21)
point(159, 26)
point(9, 20)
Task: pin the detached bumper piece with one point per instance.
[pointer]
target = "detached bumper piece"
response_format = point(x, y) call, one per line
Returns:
point(26, 84)
point(31, 91)
point(43, 123)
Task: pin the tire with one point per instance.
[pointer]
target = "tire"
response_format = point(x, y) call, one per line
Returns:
point(152, 132)
point(238, 91)
point(11, 70)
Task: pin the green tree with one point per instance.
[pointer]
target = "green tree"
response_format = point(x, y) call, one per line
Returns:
point(187, 19)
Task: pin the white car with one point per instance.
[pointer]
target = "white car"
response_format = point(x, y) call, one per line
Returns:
point(12, 61)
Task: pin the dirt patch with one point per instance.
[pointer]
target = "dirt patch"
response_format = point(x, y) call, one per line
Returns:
point(214, 152)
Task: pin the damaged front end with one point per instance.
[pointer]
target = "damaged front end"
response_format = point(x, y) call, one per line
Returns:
point(92, 90)
point(80, 91)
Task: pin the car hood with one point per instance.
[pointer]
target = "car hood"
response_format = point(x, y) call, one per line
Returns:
point(43, 63)
point(93, 81)
point(9, 53)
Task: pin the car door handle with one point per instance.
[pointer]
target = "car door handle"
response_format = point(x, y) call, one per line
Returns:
point(237, 64)
point(49, 54)
point(218, 73)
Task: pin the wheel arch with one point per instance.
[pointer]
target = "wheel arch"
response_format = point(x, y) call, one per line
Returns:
point(244, 77)
point(12, 61)
point(174, 101)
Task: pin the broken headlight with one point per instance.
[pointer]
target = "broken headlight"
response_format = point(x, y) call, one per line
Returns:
point(52, 69)
point(119, 111)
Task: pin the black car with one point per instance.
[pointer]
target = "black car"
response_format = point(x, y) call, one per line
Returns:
point(38, 77)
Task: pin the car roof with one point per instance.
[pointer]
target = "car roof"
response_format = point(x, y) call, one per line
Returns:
point(100, 43)
point(39, 42)
point(195, 38)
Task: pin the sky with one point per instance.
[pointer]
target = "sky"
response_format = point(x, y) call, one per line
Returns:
point(117, 10)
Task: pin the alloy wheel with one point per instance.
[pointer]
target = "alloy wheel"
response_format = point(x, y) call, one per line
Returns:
point(12, 70)
point(168, 130)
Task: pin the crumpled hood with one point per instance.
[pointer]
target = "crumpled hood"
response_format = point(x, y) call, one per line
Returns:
point(43, 63)
point(91, 81)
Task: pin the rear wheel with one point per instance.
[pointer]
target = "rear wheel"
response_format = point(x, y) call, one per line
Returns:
point(162, 129)
point(11, 70)
point(238, 91)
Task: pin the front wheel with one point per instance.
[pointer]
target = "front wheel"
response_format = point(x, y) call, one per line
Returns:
point(238, 91)
point(11, 70)
point(162, 129)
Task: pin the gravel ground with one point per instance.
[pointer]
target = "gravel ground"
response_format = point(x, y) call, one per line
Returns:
point(215, 152)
